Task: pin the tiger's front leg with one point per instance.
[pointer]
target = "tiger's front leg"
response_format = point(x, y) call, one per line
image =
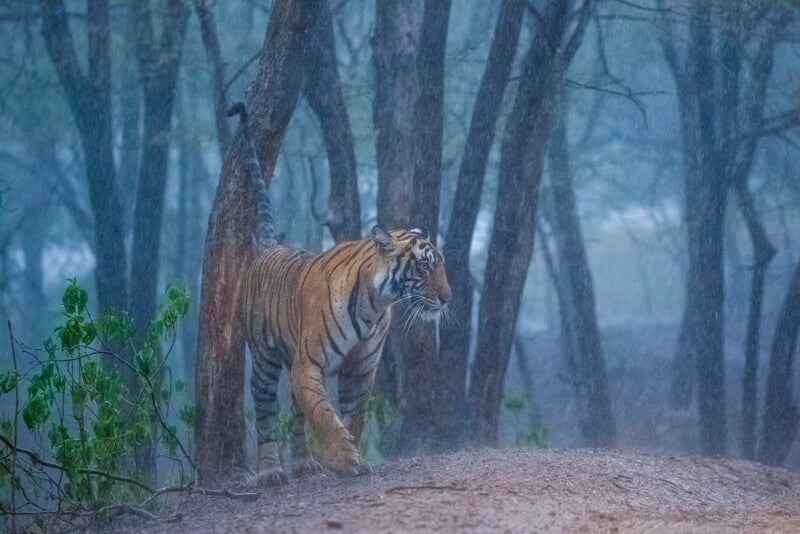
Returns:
point(337, 448)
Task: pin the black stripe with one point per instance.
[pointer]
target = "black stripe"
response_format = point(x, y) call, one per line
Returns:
point(334, 346)
point(351, 309)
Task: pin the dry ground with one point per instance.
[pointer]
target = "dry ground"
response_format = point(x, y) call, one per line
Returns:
point(517, 491)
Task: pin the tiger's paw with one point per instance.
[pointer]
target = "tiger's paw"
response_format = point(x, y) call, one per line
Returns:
point(269, 477)
point(306, 466)
point(343, 458)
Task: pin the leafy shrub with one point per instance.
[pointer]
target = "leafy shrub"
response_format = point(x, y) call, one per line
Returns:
point(92, 397)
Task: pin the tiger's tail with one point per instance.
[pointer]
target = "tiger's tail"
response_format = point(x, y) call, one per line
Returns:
point(264, 236)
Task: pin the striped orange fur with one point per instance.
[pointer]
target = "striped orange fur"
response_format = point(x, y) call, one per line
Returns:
point(317, 315)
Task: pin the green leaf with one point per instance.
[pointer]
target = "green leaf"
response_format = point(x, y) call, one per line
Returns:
point(8, 381)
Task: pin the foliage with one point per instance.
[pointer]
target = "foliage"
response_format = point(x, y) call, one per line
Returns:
point(534, 435)
point(86, 416)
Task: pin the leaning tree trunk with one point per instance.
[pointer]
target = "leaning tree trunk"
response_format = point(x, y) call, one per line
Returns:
point(455, 335)
point(395, 45)
point(596, 418)
point(323, 91)
point(780, 411)
point(219, 377)
point(763, 252)
point(511, 246)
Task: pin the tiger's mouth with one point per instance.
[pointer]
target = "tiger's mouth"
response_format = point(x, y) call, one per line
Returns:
point(427, 308)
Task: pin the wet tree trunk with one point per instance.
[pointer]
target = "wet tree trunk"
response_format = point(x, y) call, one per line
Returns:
point(395, 45)
point(421, 363)
point(158, 68)
point(323, 91)
point(709, 79)
point(510, 249)
point(763, 252)
point(219, 377)
point(455, 336)
point(780, 411)
point(89, 98)
point(596, 419)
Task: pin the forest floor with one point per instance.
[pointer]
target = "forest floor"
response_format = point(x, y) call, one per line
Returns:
point(513, 490)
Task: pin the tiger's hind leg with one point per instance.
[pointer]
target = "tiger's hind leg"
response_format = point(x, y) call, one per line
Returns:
point(264, 382)
point(303, 463)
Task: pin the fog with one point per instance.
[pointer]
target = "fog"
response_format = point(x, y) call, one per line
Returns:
point(634, 148)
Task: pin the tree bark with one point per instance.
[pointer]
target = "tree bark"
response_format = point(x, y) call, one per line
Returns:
point(395, 47)
point(511, 246)
point(780, 411)
point(89, 99)
point(322, 89)
point(219, 378)
point(455, 336)
point(597, 421)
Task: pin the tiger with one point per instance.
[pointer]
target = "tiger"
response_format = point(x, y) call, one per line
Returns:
point(319, 315)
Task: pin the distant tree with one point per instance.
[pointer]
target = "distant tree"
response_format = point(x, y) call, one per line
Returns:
point(721, 108)
point(219, 377)
point(89, 97)
point(584, 347)
point(780, 410)
point(528, 131)
point(322, 89)
point(159, 59)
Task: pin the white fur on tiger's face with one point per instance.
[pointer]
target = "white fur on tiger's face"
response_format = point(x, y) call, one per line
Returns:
point(317, 315)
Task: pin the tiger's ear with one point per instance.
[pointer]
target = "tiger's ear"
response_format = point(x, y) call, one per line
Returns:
point(420, 231)
point(382, 239)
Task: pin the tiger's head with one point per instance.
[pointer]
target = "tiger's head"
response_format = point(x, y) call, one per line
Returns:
point(414, 271)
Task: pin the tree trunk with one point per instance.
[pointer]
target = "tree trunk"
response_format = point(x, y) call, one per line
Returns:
point(323, 92)
point(219, 378)
point(395, 46)
point(511, 246)
point(597, 422)
point(89, 98)
point(455, 336)
point(780, 411)
point(422, 411)
point(763, 252)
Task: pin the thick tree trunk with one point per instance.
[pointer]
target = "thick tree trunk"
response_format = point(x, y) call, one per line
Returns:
point(219, 378)
point(763, 252)
point(323, 92)
point(597, 421)
point(421, 364)
point(511, 246)
point(780, 411)
point(455, 336)
point(396, 42)
point(89, 98)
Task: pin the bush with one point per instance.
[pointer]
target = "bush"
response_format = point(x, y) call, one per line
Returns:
point(90, 400)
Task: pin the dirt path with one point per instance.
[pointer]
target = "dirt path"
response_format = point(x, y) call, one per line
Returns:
point(517, 490)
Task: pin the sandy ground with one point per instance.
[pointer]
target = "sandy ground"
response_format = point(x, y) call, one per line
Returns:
point(514, 491)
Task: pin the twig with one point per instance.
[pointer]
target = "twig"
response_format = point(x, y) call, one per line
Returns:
point(424, 487)
point(247, 497)
point(35, 458)
point(240, 71)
